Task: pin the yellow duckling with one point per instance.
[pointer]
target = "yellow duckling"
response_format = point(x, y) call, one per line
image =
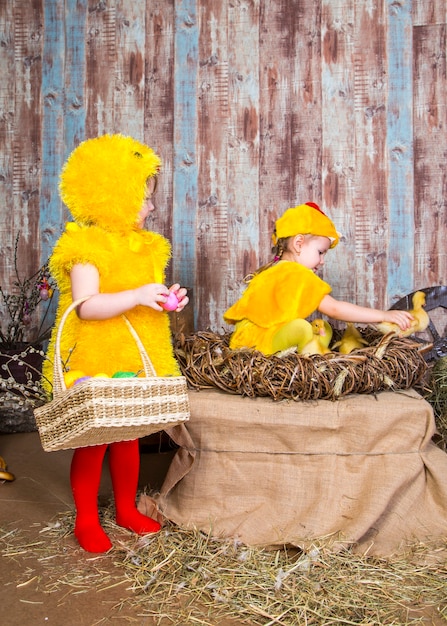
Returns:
point(419, 323)
point(351, 340)
point(322, 335)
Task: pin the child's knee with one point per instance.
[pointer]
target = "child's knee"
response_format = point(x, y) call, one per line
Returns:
point(297, 332)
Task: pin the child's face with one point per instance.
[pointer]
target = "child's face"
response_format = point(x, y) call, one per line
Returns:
point(147, 203)
point(313, 250)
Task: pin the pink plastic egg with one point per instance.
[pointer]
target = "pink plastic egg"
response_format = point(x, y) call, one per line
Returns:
point(171, 303)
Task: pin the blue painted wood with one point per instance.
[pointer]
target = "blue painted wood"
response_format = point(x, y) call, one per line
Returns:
point(51, 220)
point(338, 93)
point(185, 192)
point(400, 150)
point(73, 78)
point(243, 153)
point(74, 107)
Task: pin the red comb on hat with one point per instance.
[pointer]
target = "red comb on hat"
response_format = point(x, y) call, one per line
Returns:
point(315, 206)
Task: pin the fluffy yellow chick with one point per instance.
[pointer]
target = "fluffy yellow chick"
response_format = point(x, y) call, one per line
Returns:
point(351, 340)
point(322, 335)
point(419, 323)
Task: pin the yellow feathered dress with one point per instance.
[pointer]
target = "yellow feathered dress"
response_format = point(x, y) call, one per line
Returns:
point(274, 297)
point(124, 262)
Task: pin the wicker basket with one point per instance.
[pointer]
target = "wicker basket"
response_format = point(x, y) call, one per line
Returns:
point(105, 410)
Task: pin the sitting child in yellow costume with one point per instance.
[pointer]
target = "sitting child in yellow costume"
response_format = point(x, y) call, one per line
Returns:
point(270, 315)
point(107, 183)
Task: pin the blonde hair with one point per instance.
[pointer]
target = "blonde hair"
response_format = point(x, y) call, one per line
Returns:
point(277, 250)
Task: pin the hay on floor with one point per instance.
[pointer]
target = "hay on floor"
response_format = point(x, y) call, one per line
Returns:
point(188, 577)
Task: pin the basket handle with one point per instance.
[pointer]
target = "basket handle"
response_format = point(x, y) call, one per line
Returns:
point(59, 385)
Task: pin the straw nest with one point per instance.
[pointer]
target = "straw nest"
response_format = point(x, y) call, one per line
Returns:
point(437, 395)
point(387, 363)
point(188, 577)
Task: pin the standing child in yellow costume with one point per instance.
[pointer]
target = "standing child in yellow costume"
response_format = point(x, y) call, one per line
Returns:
point(269, 316)
point(107, 184)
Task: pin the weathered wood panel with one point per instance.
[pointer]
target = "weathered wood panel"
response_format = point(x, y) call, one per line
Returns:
point(158, 109)
point(430, 154)
point(53, 113)
point(74, 75)
point(306, 105)
point(128, 105)
point(290, 112)
point(7, 112)
point(254, 106)
point(400, 253)
point(370, 178)
point(100, 67)
point(340, 83)
point(277, 30)
point(425, 13)
point(214, 256)
point(26, 145)
point(185, 183)
point(243, 142)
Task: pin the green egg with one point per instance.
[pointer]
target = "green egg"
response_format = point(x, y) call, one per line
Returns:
point(124, 375)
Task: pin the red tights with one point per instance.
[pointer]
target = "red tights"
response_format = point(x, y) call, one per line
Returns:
point(85, 478)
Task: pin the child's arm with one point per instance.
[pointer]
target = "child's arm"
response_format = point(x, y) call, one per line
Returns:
point(85, 282)
point(348, 312)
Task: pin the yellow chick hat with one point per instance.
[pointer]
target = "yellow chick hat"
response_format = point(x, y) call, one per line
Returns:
point(103, 182)
point(305, 219)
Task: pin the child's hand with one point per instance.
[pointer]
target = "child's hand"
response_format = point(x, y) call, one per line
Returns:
point(156, 294)
point(402, 318)
point(152, 294)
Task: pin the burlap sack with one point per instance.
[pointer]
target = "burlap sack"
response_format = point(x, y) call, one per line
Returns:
point(362, 469)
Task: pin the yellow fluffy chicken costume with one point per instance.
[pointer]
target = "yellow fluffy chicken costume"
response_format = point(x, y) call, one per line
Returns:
point(274, 297)
point(104, 185)
point(285, 290)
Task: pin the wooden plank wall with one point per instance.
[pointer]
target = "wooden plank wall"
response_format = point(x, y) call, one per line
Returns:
point(254, 106)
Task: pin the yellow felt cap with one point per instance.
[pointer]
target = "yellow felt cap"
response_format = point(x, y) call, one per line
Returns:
point(305, 219)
